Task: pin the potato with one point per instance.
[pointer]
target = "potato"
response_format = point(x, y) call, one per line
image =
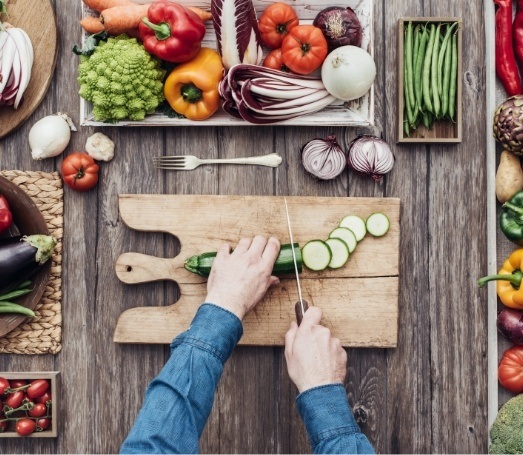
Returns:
point(509, 176)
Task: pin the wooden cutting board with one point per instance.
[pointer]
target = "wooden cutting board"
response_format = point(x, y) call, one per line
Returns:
point(359, 301)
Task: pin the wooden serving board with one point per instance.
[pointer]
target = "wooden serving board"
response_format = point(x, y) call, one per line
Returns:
point(38, 20)
point(359, 301)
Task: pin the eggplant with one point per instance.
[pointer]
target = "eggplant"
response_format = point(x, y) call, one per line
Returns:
point(22, 257)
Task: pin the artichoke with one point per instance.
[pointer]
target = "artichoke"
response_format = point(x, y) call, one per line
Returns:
point(508, 124)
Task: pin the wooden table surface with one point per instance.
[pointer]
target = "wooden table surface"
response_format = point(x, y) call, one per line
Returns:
point(427, 395)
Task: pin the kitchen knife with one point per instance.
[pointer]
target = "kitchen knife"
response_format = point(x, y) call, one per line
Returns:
point(301, 305)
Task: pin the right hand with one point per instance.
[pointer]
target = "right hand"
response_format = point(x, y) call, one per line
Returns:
point(314, 357)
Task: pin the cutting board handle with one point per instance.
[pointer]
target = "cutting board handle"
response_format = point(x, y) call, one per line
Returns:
point(134, 268)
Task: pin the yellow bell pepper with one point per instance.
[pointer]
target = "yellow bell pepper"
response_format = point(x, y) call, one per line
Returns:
point(192, 87)
point(509, 279)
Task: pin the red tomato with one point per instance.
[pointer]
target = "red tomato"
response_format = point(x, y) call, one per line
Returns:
point(25, 427)
point(43, 423)
point(304, 49)
point(79, 171)
point(15, 383)
point(37, 388)
point(39, 410)
point(510, 370)
point(275, 23)
point(44, 398)
point(14, 400)
point(274, 61)
point(4, 385)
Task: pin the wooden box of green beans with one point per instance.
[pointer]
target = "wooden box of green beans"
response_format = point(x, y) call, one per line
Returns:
point(429, 80)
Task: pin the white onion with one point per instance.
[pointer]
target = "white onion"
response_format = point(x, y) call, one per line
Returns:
point(371, 156)
point(323, 158)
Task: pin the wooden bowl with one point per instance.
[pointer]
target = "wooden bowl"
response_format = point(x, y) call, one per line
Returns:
point(27, 220)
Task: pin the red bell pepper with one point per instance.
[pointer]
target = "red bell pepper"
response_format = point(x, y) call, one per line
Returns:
point(6, 217)
point(172, 32)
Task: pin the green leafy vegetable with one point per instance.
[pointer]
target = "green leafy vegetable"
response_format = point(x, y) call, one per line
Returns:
point(91, 43)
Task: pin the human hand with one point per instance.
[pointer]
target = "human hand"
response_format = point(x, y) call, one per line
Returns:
point(239, 280)
point(314, 357)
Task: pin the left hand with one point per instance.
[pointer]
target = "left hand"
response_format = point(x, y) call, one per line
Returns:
point(239, 280)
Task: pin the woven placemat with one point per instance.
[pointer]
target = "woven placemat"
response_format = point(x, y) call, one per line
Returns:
point(43, 333)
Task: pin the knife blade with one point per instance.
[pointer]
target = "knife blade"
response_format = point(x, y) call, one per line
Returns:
point(301, 305)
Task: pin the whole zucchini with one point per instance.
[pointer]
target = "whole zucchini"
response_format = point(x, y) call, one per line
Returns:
point(201, 264)
point(21, 257)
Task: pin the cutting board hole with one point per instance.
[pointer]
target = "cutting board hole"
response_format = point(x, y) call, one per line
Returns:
point(129, 268)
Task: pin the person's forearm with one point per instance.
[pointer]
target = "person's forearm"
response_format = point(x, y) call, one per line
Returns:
point(331, 427)
point(178, 401)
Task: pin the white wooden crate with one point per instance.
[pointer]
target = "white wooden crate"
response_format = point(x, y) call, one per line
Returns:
point(359, 112)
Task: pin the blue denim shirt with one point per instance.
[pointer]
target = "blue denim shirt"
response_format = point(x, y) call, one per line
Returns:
point(179, 400)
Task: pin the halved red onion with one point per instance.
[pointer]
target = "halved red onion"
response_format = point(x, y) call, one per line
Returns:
point(371, 156)
point(323, 158)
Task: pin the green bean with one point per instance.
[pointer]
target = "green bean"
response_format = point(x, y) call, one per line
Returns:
point(408, 55)
point(446, 80)
point(408, 106)
point(425, 119)
point(441, 55)
point(453, 77)
point(419, 63)
point(10, 307)
point(25, 284)
point(426, 69)
point(434, 75)
point(406, 128)
point(416, 47)
point(14, 294)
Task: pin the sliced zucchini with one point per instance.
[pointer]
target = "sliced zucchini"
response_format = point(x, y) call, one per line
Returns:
point(356, 225)
point(316, 255)
point(346, 235)
point(340, 253)
point(377, 224)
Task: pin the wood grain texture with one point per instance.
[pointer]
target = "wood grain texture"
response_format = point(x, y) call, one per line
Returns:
point(38, 21)
point(427, 395)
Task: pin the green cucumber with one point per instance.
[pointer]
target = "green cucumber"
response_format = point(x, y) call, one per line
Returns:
point(356, 225)
point(317, 255)
point(377, 224)
point(201, 264)
point(346, 235)
point(340, 252)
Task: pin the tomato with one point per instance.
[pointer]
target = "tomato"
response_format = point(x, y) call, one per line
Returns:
point(304, 49)
point(79, 171)
point(510, 370)
point(37, 388)
point(4, 385)
point(274, 61)
point(275, 23)
point(44, 398)
point(14, 400)
point(39, 410)
point(43, 423)
point(25, 427)
point(15, 383)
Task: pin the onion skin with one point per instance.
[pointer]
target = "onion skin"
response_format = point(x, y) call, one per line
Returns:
point(323, 158)
point(371, 156)
point(340, 26)
point(510, 325)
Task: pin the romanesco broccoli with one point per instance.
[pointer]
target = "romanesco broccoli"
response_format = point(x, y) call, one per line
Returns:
point(121, 79)
point(506, 434)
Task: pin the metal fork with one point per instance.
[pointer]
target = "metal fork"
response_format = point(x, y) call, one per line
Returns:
point(190, 162)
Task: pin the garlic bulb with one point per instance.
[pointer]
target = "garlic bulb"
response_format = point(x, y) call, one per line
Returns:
point(50, 135)
point(371, 156)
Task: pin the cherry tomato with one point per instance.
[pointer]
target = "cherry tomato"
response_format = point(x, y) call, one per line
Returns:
point(37, 388)
point(39, 410)
point(14, 400)
point(44, 398)
point(304, 49)
point(510, 370)
point(79, 171)
point(275, 23)
point(274, 61)
point(4, 385)
point(15, 383)
point(25, 427)
point(43, 423)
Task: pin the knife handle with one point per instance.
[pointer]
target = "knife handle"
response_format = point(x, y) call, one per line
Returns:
point(299, 313)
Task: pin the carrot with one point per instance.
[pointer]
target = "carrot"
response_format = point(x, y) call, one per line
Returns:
point(204, 15)
point(123, 17)
point(92, 24)
point(100, 5)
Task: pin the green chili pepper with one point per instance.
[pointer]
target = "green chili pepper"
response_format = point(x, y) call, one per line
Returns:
point(511, 218)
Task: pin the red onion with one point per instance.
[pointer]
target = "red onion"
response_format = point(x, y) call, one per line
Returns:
point(340, 26)
point(510, 325)
point(323, 158)
point(371, 156)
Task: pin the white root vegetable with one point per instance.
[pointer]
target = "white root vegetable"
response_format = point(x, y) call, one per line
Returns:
point(50, 135)
point(100, 147)
point(509, 176)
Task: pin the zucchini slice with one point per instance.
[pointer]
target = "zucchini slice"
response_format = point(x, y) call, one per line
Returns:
point(346, 235)
point(377, 224)
point(356, 225)
point(316, 255)
point(340, 253)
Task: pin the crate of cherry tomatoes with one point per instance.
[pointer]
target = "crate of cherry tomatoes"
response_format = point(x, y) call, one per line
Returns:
point(28, 404)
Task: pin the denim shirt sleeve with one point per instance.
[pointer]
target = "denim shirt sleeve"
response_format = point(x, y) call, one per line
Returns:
point(329, 421)
point(179, 400)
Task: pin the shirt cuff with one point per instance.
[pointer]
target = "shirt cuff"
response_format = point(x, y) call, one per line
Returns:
point(326, 412)
point(213, 329)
